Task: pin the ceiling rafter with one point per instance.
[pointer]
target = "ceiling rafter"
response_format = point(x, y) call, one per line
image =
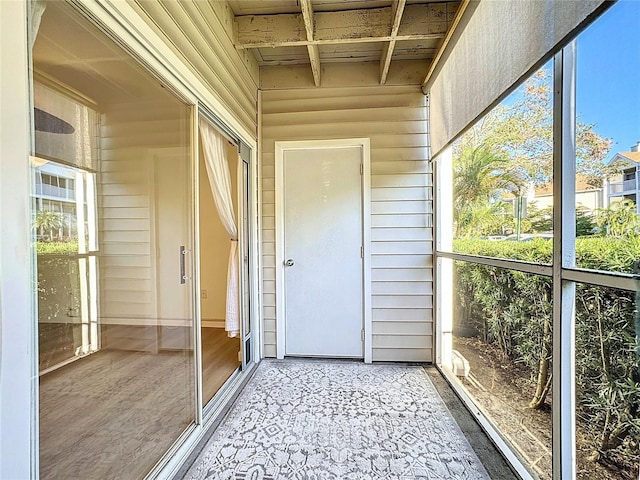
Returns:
point(314, 52)
point(397, 9)
point(452, 28)
point(349, 26)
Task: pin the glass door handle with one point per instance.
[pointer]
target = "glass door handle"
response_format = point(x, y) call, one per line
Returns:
point(183, 253)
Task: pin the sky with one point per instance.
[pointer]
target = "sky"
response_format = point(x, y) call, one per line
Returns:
point(608, 76)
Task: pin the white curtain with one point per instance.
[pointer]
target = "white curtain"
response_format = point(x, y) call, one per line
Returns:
point(37, 9)
point(217, 166)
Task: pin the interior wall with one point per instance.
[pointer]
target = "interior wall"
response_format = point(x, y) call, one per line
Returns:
point(395, 119)
point(214, 243)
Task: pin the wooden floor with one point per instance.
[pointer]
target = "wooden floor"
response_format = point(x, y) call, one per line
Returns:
point(114, 413)
point(219, 360)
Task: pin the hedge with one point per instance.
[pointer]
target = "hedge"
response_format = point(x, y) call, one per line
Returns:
point(513, 311)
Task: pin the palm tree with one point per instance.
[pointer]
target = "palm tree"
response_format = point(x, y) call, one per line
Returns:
point(480, 177)
point(47, 221)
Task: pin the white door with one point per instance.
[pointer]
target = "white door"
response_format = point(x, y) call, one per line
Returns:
point(323, 270)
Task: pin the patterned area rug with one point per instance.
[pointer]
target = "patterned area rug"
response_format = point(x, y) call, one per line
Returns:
point(308, 419)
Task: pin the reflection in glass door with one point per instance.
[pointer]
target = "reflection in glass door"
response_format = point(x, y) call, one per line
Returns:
point(112, 218)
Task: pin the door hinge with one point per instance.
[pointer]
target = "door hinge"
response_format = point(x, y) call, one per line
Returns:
point(361, 252)
point(362, 334)
point(361, 169)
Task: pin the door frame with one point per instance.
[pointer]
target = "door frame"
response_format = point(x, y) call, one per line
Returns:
point(280, 148)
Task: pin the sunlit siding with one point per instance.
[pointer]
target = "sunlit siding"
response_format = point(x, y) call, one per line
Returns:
point(395, 119)
point(202, 34)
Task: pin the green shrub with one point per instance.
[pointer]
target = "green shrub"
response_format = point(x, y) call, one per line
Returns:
point(57, 248)
point(513, 311)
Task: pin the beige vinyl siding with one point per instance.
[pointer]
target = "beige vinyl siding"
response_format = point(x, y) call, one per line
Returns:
point(201, 33)
point(395, 119)
point(125, 192)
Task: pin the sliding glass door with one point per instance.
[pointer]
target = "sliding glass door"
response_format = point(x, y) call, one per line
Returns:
point(112, 222)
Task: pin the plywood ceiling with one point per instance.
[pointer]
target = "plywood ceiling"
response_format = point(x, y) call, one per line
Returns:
point(314, 32)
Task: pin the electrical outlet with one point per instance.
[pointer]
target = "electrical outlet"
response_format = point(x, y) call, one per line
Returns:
point(203, 294)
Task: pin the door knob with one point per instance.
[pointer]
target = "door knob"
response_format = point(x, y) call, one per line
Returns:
point(289, 263)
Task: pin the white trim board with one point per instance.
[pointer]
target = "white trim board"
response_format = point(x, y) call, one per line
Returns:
point(280, 147)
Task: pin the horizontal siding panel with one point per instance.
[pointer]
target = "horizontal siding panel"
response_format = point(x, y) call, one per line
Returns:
point(268, 236)
point(135, 200)
point(268, 167)
point(308, 117)
point(268, 197)
point(399, 167)
point(402, 328)
point(109, 261)
point(125, 236)
point(401, 261)
point(402, 355)
point(402, 341)
point(388, 133)
point(400, 194)
point(363, 94)
point(268, 273)
point(355, 102)
point(129, 224)
point(410, 220)
point(268, 209)
point(269, 286)
point(174, 138)
point(127, 273)
point(269, 261)
point(269, 248)
point(137, 176)
point(268, 183)
point(401, 207)
point(397, 301)
point(126, 212)
point(401, 288)
point(270, 338)
point(132, 284)
point(401, 180)
point(401, 234)
point(399, 141)
point(269, 350)
point(269, 300)
point(268, 223)
point(126, 296)
point(125, 248)
point(401, 248)
point(120, 189)
point(269, 325)
point(114, 311)
point(270, 314)
point(401, 315)
point(401, 275)
point(399, 153)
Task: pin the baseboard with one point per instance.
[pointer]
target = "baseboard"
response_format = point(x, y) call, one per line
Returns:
point(213, 323)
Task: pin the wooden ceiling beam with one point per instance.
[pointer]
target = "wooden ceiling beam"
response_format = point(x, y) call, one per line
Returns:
point(419, 22)
point(436, 60)
point(387, 51)
point(314, 52)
